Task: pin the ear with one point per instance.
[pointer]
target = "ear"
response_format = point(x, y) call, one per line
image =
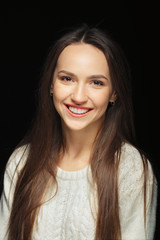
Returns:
point(113, 97)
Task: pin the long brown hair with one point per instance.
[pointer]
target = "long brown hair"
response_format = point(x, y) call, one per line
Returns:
point(45, 140)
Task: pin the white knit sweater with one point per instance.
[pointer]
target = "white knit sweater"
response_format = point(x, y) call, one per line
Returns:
point(71, 214)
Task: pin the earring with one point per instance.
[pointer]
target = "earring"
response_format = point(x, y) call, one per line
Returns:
point(51, 94)
point(112, 103)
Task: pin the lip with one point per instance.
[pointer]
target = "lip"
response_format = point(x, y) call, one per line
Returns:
point(77, 115)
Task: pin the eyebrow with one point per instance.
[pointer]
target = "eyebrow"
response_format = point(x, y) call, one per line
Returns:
point(98, 76)
point(66, 72)
point(90, 77)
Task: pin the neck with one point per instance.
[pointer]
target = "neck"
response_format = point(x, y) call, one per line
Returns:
point(78, 147)
point(79, 141)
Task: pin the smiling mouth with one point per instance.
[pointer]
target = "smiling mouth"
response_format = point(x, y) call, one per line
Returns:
point(78, 110)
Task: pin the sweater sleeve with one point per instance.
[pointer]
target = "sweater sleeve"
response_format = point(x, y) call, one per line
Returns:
point(10, 178)
point(131, 197)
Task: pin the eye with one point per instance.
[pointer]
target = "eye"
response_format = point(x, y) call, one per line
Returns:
point(65, 78)
point(97, 83)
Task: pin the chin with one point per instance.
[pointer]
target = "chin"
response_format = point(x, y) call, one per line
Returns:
point(76, 128)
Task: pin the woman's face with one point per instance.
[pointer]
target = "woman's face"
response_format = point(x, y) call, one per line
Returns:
point(82, 87)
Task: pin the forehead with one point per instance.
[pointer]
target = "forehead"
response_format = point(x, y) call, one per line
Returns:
point(83, 56)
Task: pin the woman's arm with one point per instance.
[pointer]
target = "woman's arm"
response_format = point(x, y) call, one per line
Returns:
point(13, 167)
point(5, 204)
point(131, 197)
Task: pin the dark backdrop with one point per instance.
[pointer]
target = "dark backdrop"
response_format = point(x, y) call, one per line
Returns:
point(27, 33)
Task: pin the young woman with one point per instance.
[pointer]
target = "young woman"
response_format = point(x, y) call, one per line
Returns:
point(77, 174)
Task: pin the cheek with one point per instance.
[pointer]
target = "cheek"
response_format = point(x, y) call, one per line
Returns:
point(103, 105)
point(57, 95)
point(101, 100)
point(59, 92)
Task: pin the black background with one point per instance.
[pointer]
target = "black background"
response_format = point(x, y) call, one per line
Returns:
point(27, 34)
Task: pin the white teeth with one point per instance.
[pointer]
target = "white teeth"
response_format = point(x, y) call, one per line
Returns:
point(78, 110)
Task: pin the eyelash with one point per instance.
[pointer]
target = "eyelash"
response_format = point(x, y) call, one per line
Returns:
point(94, 82)
point(98, 83)
point(65, 78)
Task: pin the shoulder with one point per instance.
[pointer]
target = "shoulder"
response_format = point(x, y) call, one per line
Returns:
point(17, 160)
point(19, 155)
point(132, 167)
point(130, 158)
point(14, 165)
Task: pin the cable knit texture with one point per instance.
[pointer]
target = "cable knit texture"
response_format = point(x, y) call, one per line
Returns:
point(70, 215)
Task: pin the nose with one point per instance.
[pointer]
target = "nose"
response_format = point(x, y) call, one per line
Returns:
point(79, 95)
